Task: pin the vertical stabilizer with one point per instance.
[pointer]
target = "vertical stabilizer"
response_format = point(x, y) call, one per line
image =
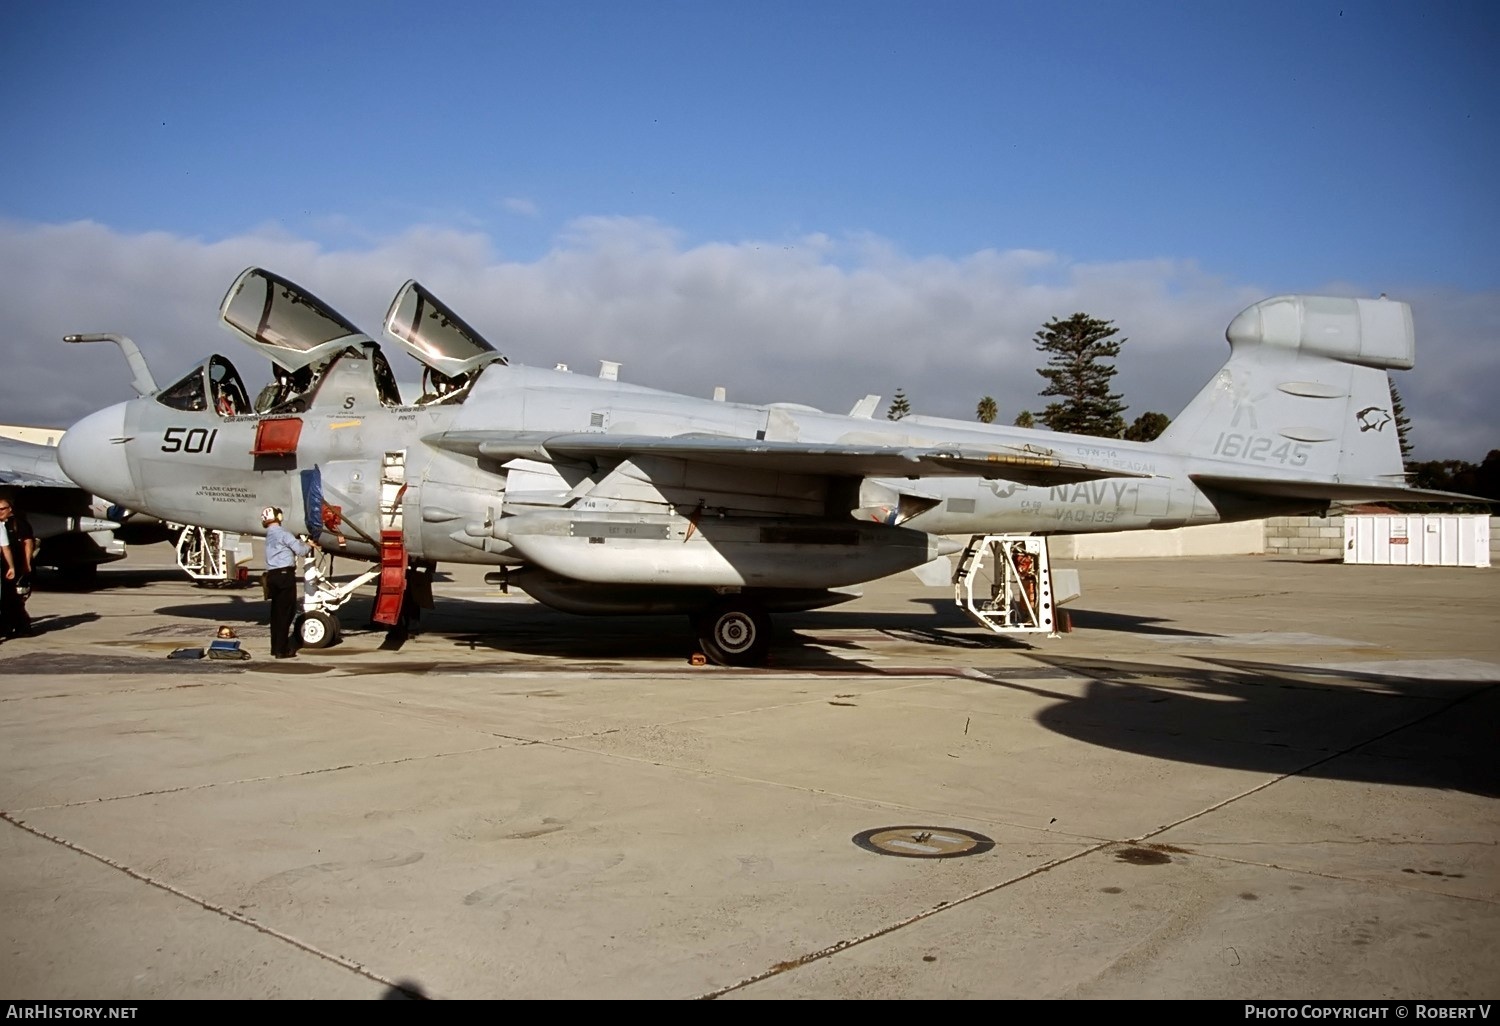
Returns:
point(1305, 394)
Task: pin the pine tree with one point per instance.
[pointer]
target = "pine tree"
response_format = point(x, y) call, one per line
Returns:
point(1078, 373)
point(899, 406)
point(987, 410)
point(1403, 425)
point(1147, 427)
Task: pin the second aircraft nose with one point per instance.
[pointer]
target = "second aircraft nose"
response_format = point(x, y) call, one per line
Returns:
point(92, 454)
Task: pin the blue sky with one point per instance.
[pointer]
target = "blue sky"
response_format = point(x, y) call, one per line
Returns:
point(805, 201)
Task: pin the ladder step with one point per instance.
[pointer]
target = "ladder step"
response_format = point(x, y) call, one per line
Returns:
point(391, 588)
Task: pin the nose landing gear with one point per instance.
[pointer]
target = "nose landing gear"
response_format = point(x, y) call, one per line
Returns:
point(319, 629)
point(318, 626)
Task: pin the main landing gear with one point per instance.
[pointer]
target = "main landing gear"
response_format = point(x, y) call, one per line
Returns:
point(734, 631)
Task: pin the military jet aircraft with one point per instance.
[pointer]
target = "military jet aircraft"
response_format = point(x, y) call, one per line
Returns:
point(594, 495)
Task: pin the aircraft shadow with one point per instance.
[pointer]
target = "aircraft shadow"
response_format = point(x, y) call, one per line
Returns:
point(805, 640)
point(527, 629)
point(1275, 718)
point(102, 579)
point(1308, 721)
point(1098, 620)
point(220, 607)
point(944, 615)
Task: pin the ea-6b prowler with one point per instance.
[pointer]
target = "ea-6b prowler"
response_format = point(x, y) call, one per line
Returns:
point(599, 496)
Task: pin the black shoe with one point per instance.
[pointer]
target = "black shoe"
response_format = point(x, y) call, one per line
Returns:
point(286, 655)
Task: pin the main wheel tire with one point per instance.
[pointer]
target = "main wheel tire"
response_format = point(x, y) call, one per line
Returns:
point(735, 633)
point(318, 629)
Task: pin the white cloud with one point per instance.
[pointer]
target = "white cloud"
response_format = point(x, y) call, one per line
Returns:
point(815, 320)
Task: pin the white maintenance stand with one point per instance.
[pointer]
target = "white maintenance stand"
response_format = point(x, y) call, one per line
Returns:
point(211, 557)
point(1005, 583)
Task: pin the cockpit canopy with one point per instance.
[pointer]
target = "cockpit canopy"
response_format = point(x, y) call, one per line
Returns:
point(302, 337)
point(287, 324)
point(434, 335)
point(213, 384)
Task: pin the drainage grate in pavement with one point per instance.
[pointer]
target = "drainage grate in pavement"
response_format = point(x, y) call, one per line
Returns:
point(923, 842)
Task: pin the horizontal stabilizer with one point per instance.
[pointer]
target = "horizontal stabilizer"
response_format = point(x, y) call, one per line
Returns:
point(830, 458)
point(1331, 491)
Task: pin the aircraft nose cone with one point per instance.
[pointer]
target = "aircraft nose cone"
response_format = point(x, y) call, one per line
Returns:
point(92, 454)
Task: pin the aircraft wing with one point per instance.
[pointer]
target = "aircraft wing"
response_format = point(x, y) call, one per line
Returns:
point(60, 512)
point(28, 465)
point(828, 458)
point(1332, 492)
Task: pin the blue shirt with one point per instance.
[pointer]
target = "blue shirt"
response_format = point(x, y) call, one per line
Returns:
point(282, 548)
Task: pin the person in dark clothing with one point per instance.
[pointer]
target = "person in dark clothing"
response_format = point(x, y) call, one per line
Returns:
point(15, 622)
point(282, 550)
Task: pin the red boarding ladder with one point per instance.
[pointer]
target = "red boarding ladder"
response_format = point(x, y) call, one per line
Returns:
point(392, 586)
point(391, 590)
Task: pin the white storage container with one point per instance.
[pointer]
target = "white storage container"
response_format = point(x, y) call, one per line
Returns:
point(1419, 539)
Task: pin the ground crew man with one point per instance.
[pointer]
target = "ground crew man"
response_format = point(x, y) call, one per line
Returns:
point(282, 550)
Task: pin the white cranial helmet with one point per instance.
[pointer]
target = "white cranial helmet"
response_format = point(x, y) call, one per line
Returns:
point(269, 514)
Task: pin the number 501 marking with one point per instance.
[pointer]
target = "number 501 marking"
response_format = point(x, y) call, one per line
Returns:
point(188, 439)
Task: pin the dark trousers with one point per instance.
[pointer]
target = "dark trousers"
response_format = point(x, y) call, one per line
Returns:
point(282, 586)
point(13, 616)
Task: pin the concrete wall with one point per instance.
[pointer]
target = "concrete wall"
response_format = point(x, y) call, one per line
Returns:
point(1311, 537)
point(1293, 537)
point(1244, 539)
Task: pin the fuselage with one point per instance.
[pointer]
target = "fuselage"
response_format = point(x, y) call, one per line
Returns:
point(599, 496)
point(214, 470)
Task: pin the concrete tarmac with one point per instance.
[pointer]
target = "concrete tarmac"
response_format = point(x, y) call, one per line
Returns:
point(1237, 777)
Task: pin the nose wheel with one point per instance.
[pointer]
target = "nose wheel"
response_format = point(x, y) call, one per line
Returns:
point(734, 633)
point(318, 629)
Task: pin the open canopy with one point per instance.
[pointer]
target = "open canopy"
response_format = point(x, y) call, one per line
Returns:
point(285, 322)
point(436, 336)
